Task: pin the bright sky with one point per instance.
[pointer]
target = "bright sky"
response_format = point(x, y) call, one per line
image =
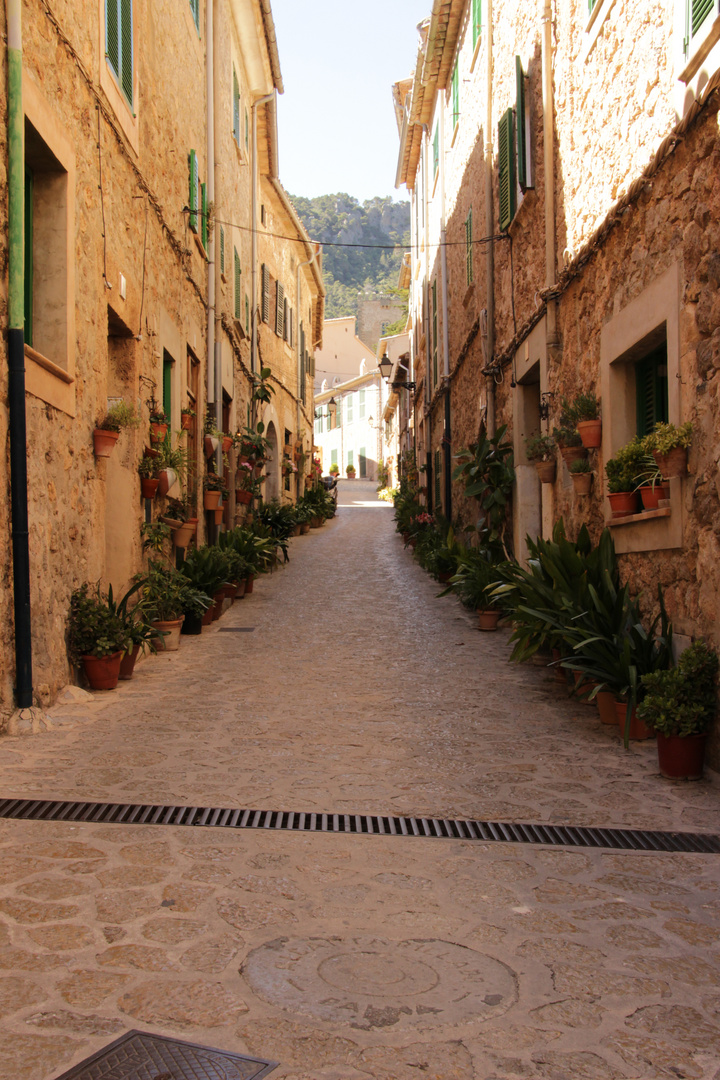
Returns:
point(337, 128)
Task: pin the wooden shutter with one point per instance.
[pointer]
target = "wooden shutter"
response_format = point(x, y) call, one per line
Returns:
point(279, 310)
point(506, 165)
point(236, 108)
point(434, 331)
point(456, 94)
point(436, 149)
point(520, 119)
point(468, 248)
point(476, 21)
point(651, 390)
point(193, 191)
point(204, 216)
point(265, 292)
point(285, 320)
point(238, 280)
point(112, 35)
point(126, 49)
point(222, 251)
point(699, 11)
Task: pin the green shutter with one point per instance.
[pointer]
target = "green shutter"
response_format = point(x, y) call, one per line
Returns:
point(236, 108)
point(112, 35)
point(456, 94)
point(126, 49)
point(361, 404)
point(651, 391)
point(468, 249)
point(28, 241)
point(436, 149)
point(339, 414)
point(434, 331)
point(350, 458)
point(222, 251)
point(362, 462)
point(204, 222)
point(438, 504)
point(506, 166)
point(265, 292)
point(167, 384)
point(699, 11)
point(195, 8)
point(476, 21)
point(333, 457)
point(193, 191)
point(520, 119)
point(238, 280)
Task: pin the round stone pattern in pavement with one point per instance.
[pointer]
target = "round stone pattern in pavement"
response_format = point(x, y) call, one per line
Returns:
point(368, 982)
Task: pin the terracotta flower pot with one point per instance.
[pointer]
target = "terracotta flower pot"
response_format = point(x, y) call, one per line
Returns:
point(226, 444)
point(582, 482)
point(182, 536)
point(210, 444)
point(259, 466)
point(166, 479)
point(240, 592)
point(572, 453)
point(103, 672)
point(317, 522)
point(638, 728)
point(605, 701)
point(487, 619)
point(158, 432)
point(651, 496)
point(672, 464)
point(249, 583)
point(218, 601)
point(212, 500)
point(546, 471)
point(304, 528)
point(590, 431)
point(560, 675)
point(623, 503)
point(127, 663)
point(208, 616)
point(186, 421)
point(243, 497)
point(104, 441)
point(681, 758)
point(219, 512)
point(149, 486)
point(170, 641)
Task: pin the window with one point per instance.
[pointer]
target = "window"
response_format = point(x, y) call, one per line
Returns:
point(434, 333)
point(702, 30)
point(236, 108)
point(193, 183)
point(318, 421)
point(436, 150)
point(238, 281)
point(350, 458)
point(651, 390)
point(362, 462)
point(222, 252)
point(349, 408)
point(455, 95)
point(279, 310)
point(265, 293)
point(339, 414)
point(333, 457)
point(361, 404)
point(168, 364)
point(119, 44)
point(195, 8)
point(476, 21)
point(290, 327)
point(204, 232)
point(506, 167)
point(522, 116)
point(468, 249)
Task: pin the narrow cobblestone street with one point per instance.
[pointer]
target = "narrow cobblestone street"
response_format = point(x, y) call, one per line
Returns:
point(356, 957)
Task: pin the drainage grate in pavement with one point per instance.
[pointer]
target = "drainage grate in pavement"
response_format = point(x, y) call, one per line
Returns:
point(140, 1056)
point(236, 630)
point(570, 836)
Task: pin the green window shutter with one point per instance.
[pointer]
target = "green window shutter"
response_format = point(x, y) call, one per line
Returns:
point(247, 130)
point(476, 21)
point(195, 8)
point(349, 400)
point(699, 11)
point(361, 404)
point(436, 149)
point(238, 282)
point(28, 241)
point(468, 248)
point(222, 251)
point(456, 94)
point(591, 5)
point(333, 457)
point(651, 390)
point(339, 414)
point(265, 291)
point(193, 191)
point(126, 49)
point(436, 467)
point(279, 310)
point(167, 384)
point(112, 35)
point(350, 460)
point(236, 108)
point(520, 119)
point(204, 221)
point(434, 331)
point(506, 165)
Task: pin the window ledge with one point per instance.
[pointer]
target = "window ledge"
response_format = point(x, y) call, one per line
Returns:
point(644, 515)
point(48, 365)
point(702, 47)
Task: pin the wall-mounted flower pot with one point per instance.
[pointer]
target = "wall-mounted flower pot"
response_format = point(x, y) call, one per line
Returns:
point(651, 496)
point(127, 663)
point(186, 421)
point(103, 672)
point(167, 478)
point(243, 497)
point(259, 466)
point(590, 431)
point(212, 500)
point(672, 464)
point(104, 442)
point(170, 639)
point(227, 444)
point(219, 511)
point(210, 443)
point(182, 536)
point(638, 728)
point(681, 758)
point(623, 503)
point(572, 453)
point(158, 432)
point(582, 482)
point(149, 486)
point(546, 471)
point(487, 619)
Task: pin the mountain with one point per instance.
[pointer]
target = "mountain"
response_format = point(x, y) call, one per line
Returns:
point(341, 219)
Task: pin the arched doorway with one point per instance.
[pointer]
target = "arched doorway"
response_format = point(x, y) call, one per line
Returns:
point(272, 465)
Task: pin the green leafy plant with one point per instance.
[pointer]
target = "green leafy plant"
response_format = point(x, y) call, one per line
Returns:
point(649, 474)
point(682, 701)
point(262, 390)
point(119, 416)
point(207, 569)
point(148, 467)
point(540, 448)
point(94, 626)
point(666, 437)
point(580, 466)
point(487, 472)
point(157, 413)
point(622, 469)
point(334, 469)
point(155, 535)
point(166, 594)
point(475, 576)
point(585, 407)
point(175, 458)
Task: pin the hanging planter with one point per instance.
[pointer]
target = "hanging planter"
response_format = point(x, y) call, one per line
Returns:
point(104, 441)
point(157, 432)
point(219, 511)
point(103, 672)
point(243, 497)
point(166, 478)
point(210, 444)
point(182, 536)
point(227, 443)
point(546, 471)
point(186, 420)
point(582, 482)
point(572, 453)
point(149, 486)
point(212, 500)
point(590, 431)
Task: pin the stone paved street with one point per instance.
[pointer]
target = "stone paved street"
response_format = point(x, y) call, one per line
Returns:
point(344, 957)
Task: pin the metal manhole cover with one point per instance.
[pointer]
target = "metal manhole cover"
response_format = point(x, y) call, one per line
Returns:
point(374, 983)
point(141, 1056)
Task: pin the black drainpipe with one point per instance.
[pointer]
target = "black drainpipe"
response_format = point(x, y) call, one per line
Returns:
point(19, 505)
point(447, 456)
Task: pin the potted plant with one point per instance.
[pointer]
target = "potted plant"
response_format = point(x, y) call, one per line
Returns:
point(206, 570)
point(158, 421)
point(587, 420)
point(334, 469)
point(107, 431)
point(172, 464)
point(187, 415)
point(649, 482)
point(97, 636)
point(669, 446)
point(540, 449)
point(581, 475)
point(566, 435)
point(165, 594)
point(213, 485)
point(149, 480)
point(475, 576)
point(244, 483)
point(621, 471)
point(680, 705)
point(488, 474)
point(350, 472)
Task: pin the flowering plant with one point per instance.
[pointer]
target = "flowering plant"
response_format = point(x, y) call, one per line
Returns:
point(289, 467)
point(245, 476)
point(425, 519)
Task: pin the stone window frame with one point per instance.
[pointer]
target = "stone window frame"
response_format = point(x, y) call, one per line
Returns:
point(647, 319)
point(52, 378)
point(694, 70)
point(127, 115)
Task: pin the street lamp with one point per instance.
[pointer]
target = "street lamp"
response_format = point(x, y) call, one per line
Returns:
point(385, 366)
point(332, 411)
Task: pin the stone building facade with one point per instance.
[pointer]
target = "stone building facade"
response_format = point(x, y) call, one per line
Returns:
point(140, 267)
point(563, 168)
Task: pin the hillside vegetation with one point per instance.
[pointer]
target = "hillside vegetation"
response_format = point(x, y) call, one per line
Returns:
point(341, 219)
